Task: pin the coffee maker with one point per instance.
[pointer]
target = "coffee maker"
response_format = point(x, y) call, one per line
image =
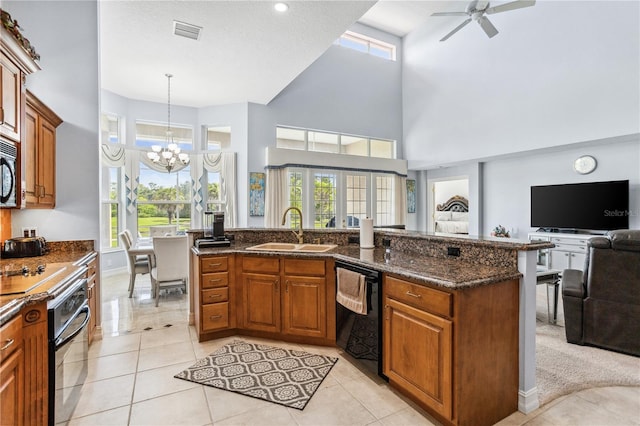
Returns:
point(213, 231)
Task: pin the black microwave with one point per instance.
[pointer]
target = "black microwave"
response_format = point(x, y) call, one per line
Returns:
point(8, 156)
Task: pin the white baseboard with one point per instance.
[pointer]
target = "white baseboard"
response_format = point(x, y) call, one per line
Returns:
point(528, 400)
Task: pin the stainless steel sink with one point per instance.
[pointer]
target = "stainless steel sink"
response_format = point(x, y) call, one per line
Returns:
point(307, 248)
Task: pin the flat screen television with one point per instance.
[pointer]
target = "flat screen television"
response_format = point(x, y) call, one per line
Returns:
point(581, 206)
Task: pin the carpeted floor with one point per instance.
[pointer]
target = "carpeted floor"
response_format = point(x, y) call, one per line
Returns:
point(563, 368)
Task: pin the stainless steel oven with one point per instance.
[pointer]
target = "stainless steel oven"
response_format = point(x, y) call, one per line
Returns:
point(361, 335)
point(8, 158)
point(68, 316)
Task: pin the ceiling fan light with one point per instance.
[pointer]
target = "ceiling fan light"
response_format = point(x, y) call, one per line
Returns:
point(281, 7)
point(156, 148)
point(173, 147)
point(167, 154)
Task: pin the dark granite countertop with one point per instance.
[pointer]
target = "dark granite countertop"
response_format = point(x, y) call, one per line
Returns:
point(66, 258)
point(449, 273)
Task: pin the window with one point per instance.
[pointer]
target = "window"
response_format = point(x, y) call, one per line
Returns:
point(324, 200)
point(214, 201)
point(149, 134)
point(110, 128)
point(365, 44)
point(218, 138)
point(384, 200)
point(340, 199)
point(291, 138)
point(111, 216)
point(336, 143)
point(356, 197)
point(163, 199)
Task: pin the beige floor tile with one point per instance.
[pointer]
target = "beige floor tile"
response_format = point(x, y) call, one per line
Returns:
point(623, 401)
point(109, 345)
point(186, 407)
point(104, 395)
point(344, 371)
point(109, 366)
point(206, 348)
point(333, 406)
point(270, 415)
point(224, 404)
point(160, 381)
point(161, 356)
point(575, 411)
point(407, 416)
point(375, 395)
point(117, 416)
point(165, 336)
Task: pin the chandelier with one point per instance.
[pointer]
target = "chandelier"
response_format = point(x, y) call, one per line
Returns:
point(168, 156)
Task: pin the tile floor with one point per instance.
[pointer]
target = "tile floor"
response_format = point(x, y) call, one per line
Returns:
point(131, 380)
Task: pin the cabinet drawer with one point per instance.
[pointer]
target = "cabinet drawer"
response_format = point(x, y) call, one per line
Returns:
point(215, 295)
point(10, 337)
point(304, 267)
point(217, 279)
point(264, 265)
point(570, 241)
point(214, 264)
point(215, 316)
point(435, 301)
point(567, 247)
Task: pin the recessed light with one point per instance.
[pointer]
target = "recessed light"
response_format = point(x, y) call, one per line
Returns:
point(281, 7)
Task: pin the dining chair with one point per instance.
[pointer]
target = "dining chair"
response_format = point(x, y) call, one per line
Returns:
point(163, 230)
point(172, 263)
point(135, 264)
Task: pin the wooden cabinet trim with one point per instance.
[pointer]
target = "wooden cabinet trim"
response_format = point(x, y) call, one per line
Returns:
point(308, 267)
point(432, 300)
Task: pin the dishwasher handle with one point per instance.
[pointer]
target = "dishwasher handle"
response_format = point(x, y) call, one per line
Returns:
point(63, 341)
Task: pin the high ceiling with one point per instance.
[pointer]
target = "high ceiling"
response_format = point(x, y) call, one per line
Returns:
point(247, 52)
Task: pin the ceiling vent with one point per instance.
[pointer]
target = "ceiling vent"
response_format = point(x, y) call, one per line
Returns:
point(186, 30)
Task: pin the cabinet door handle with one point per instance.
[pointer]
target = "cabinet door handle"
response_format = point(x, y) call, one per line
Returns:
point(42, 192)
point(413, 294)
point(215, 296)
point(287, 286)
point(6, 345)
point(215, 265)
point(215, 317)
point(1, 116)
point(275, 284)
point(215, 280)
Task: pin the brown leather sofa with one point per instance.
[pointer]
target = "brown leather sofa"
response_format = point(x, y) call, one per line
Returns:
point(602, 303)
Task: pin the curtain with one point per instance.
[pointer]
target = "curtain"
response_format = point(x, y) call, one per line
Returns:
point(276, 197)
point(113, 155)
point(225, 164)
point(400, 212)
point(132, 179)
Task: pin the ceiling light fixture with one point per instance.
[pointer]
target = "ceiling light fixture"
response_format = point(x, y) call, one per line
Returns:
point(170, 155)
point(281, 7)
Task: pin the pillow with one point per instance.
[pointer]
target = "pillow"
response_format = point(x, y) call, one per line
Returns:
point(460, 216)
point(442, 216)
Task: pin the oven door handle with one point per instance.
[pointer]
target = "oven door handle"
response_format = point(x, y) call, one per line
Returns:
point(63, 341)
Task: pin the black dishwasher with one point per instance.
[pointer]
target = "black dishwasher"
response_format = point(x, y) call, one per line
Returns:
point(361, 335)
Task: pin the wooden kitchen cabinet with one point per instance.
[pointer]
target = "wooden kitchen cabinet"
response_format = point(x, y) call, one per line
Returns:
point(11, 96)
point(12, 373)
point(40, 154)
point(304, 298)
point(93, 287)
point(454, 352)
point(285, 296)
point(215, 294)
point(261, 293)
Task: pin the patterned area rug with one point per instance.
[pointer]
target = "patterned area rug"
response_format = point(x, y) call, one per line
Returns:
point(278, 375)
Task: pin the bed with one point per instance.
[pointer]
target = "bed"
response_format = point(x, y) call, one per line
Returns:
point(452, 217)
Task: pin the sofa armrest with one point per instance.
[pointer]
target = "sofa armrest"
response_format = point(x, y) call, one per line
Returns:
point(573, 283)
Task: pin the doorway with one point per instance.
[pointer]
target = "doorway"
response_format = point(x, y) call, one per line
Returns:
point(440, 191)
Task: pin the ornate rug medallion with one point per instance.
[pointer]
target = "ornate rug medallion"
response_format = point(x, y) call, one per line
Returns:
point(283, 376)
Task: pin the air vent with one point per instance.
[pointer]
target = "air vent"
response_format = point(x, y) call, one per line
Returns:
point(186, 30)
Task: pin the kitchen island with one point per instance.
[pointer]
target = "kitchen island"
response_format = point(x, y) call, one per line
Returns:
point(470, 270)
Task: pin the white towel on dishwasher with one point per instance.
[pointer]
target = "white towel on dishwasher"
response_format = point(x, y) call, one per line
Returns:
point(352, 290)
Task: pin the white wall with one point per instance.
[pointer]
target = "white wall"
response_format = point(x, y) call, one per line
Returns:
point(558, 73)
point(65, 35)
point(446, 189)
point(507, 182)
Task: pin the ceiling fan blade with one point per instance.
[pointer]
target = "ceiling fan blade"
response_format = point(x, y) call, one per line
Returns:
point(487, 26)
point(456, 29)
point(518, 4)
point(449, 14)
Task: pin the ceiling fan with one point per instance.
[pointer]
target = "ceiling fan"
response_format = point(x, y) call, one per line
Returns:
point(476, 12)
